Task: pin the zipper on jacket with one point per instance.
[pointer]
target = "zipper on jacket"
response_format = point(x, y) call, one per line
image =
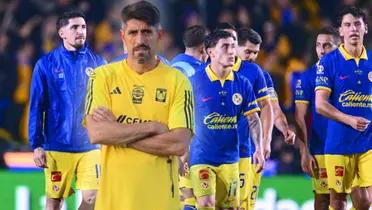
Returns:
point(169, 161)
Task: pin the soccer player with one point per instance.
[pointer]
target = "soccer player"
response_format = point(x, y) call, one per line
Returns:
point(195, 54)
point(249, 43)
point(188, 62)
point(60, 143)
point(343, 94)
point(221, 95)
point(141, 111)
point(312, 143)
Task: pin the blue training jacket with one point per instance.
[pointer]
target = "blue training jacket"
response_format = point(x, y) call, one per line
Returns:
point(57, 98)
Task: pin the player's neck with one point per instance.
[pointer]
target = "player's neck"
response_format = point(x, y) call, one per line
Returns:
point(70, 47)
point(354, 50)
point(193, 53)
point(141, 68)
point(220, 71)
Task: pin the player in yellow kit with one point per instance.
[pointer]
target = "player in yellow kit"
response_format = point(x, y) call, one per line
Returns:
point(141, 111)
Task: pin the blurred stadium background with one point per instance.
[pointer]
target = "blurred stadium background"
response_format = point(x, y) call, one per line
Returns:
point(27, 31)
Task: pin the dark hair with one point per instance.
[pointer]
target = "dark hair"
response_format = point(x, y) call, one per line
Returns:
point(212, 39)
point(66, 16)
point(331, 31)
point(142, 10)
point(194, 36)
point(224, 25)
point(248, 34)
point(354, 11)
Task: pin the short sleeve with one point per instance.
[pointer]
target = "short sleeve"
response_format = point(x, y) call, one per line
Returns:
point(259, 87)
point(250, 102)
point(324, 78)
point(181, 113)
point(270, 86)
point(303, 94)
point(97, 93)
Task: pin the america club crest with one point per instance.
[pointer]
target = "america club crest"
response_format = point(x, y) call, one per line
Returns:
point(237, 99)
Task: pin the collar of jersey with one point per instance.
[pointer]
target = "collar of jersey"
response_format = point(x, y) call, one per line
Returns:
point(213, 77)
point(80, 51)
point(347, 56)
point(237, 64)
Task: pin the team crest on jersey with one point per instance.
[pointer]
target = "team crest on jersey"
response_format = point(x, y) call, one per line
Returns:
point(298, 83)
point(370, 76)
point(161, 95)
point(56, 176)
point(56, 188)
point(204, 174)
point(319, 69)
point(137, 94)
point(237, 99)
point(60, 73)
point(204, 185)
point(324, 185)
point(89, 71)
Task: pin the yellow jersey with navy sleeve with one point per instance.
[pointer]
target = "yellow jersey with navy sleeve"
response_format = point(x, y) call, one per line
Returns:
point(218, 107)
point(132, 179)
point(349, 81)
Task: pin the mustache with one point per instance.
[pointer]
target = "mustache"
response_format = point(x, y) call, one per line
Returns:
point(141, 47)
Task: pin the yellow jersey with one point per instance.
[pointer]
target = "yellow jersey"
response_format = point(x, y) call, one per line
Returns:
point(132, 179)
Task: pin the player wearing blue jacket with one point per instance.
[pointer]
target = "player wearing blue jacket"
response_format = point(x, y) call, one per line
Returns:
point(195, 54)
point(58, 89)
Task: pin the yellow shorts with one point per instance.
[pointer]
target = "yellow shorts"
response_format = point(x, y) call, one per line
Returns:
point(320, 181)
point(249, 183)
point(221, 181)
point(185, 182)
point(342, 170)
point(63, 166)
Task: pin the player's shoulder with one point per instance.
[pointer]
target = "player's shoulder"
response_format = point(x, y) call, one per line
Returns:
point(251, 66)
point(179, 57)
point(95, 55)
point(171, 72)
point(332, 56)
point(241, 79)
point(109, 69)
point(369, 54)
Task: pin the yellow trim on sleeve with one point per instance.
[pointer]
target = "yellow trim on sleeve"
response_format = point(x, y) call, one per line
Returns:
point(274, 99)
point(262, 98)
point(252, 111)
point(323, 88)
point(301, 102)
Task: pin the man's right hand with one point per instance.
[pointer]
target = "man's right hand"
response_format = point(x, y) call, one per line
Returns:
point(358, 123)
point(40, 158)
point(308, 163)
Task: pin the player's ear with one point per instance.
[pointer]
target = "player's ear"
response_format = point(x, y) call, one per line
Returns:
point(340, 32)
point(210, 52)
point(366, 29)
point(61, 33)
point(160, 32)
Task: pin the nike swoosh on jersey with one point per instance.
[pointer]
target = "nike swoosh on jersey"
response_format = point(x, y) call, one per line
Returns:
point(206, 99)
point(342, 77)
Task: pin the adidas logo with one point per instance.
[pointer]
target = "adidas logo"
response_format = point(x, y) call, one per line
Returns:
point(116, 91)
